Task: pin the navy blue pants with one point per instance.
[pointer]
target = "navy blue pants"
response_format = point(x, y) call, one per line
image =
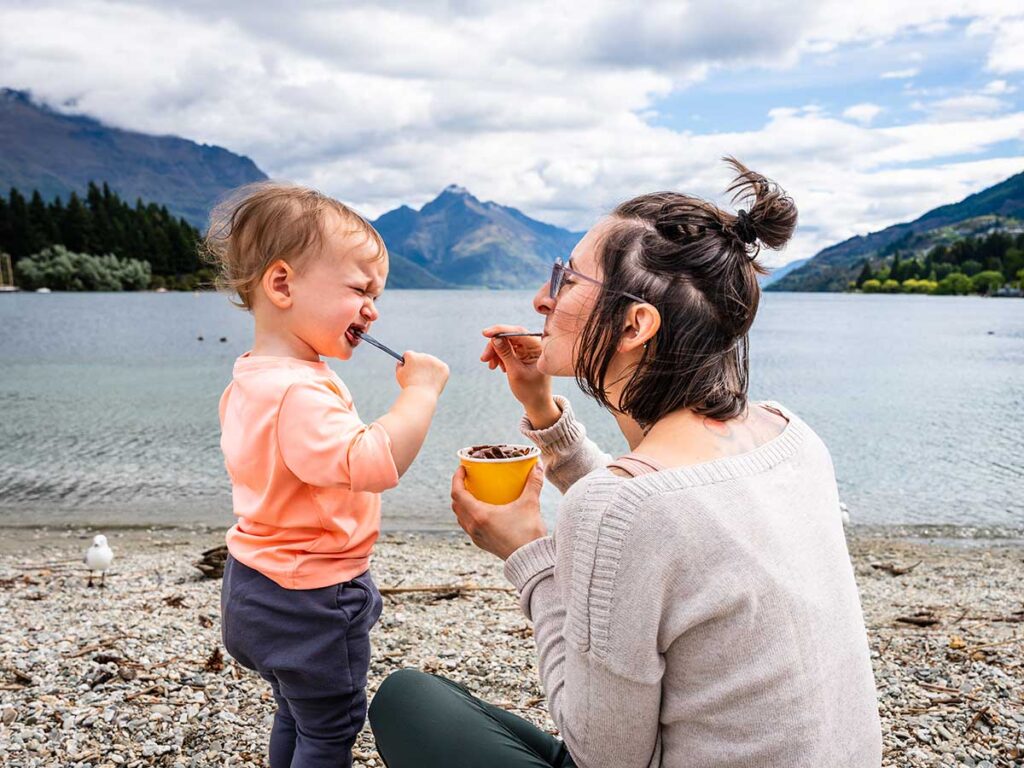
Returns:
point(313, 647)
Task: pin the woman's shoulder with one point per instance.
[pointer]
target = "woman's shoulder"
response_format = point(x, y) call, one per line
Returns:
point(603, 507)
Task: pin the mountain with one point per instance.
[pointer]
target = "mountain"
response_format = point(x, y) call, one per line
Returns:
point(834, 267)
point(780, 272)
point(459, 241)
point(57, 154)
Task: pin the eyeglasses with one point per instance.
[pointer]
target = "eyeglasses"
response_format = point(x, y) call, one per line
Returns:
point(559, 271)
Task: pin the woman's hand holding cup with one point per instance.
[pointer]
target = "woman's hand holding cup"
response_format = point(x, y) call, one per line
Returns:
point(500, 529)
point(517, 358)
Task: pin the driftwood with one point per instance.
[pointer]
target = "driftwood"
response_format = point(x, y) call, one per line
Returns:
point(443, 590)
point(212, 561)
point(920, 619)
point(895, 570)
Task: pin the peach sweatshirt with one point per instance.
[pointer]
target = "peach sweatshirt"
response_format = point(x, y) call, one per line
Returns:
point(306, 472)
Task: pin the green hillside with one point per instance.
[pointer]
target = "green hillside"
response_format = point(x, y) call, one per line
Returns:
point(835, 267)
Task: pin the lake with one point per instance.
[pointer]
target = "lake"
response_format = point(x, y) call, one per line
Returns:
point(108, 402)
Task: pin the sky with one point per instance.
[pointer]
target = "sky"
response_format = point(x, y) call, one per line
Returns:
point(868, 113)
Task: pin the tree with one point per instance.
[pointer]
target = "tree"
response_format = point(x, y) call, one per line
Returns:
point(76, 229)
point(987, 282)
point(1013, 262)
point(1020, 279)
point(20, 244)
point(938, 255)
point(890, 286)
point(42, 228)
point(59, 269)
point(970, 267)
point(896, 268)
point(871, 286)
point(955, 284)
point(865, 273)
point(914, 285)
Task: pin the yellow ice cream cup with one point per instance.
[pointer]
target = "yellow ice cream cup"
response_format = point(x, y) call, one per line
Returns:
point(498, 481)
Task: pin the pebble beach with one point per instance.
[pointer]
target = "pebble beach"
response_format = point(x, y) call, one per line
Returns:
point(134, 674)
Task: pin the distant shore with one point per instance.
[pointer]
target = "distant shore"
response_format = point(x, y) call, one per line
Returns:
point(133, 675)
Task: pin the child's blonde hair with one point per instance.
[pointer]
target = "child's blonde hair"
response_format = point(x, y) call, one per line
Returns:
point(266, 221)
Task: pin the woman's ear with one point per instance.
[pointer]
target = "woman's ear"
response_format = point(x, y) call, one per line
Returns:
point(277, 281)
point(642, 322)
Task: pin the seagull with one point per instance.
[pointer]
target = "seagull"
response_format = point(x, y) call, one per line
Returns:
point(99, 557)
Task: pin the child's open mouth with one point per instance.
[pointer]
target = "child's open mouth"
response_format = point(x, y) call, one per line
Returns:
point(353, 333)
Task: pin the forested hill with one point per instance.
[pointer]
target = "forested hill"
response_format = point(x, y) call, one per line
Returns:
point(834, 268)
point(58, 154)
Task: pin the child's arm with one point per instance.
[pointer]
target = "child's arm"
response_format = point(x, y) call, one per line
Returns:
point(422, 379)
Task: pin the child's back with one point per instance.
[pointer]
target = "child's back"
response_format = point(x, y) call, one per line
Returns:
point(306, 473)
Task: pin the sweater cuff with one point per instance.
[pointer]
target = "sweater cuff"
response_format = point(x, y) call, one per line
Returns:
point(561, 435)
point(528, 566)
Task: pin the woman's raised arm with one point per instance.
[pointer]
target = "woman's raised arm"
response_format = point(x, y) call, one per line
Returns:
point(567, 454)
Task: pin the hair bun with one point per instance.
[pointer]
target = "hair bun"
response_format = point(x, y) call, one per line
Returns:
point(744, 228)
point(770, 218)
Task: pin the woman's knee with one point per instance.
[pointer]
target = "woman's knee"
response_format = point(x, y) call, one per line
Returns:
point(400, 690)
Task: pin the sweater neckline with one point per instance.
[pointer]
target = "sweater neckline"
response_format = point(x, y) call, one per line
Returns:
point(764, 457)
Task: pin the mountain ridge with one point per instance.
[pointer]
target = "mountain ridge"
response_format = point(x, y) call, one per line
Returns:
point(832, 269)
point(59, 154)
point(465, 242)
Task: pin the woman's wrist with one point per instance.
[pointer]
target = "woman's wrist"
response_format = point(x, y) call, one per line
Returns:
point(544, 414)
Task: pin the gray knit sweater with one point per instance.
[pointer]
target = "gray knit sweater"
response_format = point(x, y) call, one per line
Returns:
point(703, 615)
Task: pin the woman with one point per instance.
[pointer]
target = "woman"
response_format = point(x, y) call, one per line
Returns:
point(696, 605)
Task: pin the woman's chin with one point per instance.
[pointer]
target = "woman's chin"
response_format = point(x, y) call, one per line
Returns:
point(548, 369)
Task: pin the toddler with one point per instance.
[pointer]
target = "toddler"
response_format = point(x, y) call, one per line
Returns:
point(298, 602)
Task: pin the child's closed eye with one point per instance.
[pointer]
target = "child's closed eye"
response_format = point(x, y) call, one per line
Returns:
point(366, 292)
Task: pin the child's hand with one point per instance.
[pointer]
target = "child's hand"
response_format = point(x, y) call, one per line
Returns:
point(422, 370)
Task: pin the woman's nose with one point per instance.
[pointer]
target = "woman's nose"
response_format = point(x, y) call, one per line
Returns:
point(542, 301)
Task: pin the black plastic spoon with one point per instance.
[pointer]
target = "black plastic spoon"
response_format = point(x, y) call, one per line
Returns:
point(368, 338)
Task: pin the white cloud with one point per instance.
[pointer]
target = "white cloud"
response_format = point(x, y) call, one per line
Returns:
point(901, 74)
point(969, 106)
point(863, 113)
point(1007, 54)
point(542, 105)
point(998, 88)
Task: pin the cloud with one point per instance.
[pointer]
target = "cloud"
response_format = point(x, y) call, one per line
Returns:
point(863, 113)
point(544, 105)
point(998, 88)
point(970, 106)
point(1006, 55)
point(901, 74)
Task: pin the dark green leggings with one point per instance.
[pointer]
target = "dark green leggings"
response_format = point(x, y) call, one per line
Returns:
point(426, 721)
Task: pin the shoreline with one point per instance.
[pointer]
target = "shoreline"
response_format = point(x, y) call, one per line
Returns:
point(32, 536)
point(134, 675)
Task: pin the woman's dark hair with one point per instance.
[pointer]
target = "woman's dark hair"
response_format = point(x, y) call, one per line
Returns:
point(697, 264)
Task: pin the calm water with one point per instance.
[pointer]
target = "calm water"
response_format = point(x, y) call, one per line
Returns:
point(109, 402)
